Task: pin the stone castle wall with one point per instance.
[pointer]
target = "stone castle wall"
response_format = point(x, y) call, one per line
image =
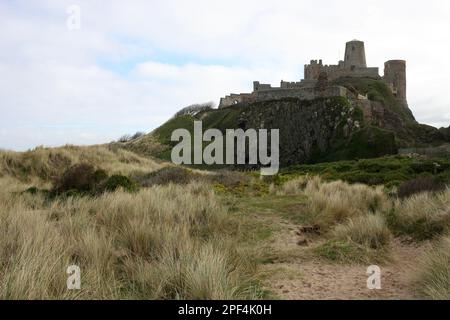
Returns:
point(233, 99)
point(333, 72)
point(395, 76)
point(303, 93)
point(307, 93)
point(353, 65)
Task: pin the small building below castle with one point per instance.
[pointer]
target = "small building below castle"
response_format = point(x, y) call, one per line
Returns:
point(317, 77)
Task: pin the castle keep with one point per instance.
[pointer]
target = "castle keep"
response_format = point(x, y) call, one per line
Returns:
point(317, 79)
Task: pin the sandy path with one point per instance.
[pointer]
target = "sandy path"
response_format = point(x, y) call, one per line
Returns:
point(307, 277)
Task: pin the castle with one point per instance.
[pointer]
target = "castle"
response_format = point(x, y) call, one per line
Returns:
point(318, 80)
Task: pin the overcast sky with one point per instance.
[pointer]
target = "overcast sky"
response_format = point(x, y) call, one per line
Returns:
point(133, 64)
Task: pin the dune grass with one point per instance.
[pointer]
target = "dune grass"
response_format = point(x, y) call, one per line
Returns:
point(422, 216)
point(45, 164)
point(170, 242)
point(434, 271)
point(368, 230)
point(335, 202)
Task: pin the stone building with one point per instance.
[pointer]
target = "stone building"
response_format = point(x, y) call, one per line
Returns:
point(395, 77)
point(353, 65)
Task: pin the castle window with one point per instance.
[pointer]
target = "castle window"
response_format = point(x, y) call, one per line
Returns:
point(353, 48)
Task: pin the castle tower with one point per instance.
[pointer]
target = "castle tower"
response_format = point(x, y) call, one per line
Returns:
point(313, 70)
point(355, 55)
point(395, 76)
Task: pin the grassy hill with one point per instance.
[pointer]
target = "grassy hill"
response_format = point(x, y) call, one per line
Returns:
point(322, 130)
point(45, 164)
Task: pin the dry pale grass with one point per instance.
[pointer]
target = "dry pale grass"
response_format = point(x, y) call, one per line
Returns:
point(423, 215)
point(335, 202)
point(47, 163)
point(292, 187)
point(168, 242)
point(369, 230)
point(434, 274)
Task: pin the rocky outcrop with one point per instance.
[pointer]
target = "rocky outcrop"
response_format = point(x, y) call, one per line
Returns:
point(318, 130)
point(369, 123)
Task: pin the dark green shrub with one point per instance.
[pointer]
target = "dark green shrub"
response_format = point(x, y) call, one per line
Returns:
point(81, 177)
point(36, 191)
point(100, 176)
point(424, 167)
point(118, 181)
point(32, 190)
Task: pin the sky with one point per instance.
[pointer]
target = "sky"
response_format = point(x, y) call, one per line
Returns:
point(117, 67)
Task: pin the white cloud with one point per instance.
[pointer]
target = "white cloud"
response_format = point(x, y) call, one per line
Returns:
point(133, 64)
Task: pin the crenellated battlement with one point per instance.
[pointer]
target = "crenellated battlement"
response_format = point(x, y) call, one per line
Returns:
point(317, 76)
point(353, 65)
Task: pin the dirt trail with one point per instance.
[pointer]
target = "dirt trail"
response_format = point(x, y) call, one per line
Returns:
point(307, 277)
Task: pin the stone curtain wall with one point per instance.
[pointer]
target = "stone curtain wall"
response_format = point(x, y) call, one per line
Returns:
point(312, 72)
point(308, 93)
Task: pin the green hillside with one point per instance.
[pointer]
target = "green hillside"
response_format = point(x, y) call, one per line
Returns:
point(313, 131)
